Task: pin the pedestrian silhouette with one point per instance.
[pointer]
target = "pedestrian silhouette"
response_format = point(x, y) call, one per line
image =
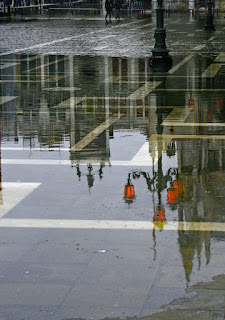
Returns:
point(108, 8)
point(118, 7)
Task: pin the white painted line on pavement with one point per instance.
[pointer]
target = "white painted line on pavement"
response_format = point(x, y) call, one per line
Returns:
point(191, 90)
point(191, 124)
point(148, 151)
point(20, 185)
point(66, 103)
point(14, 192)
point(177, 115)
point(5, 99)
point(94, 133)
point(200, 47)
point(220, 57)
point(30, 81)
point(143, 154)
point(35, 162)
point(212, 70)
point(34, 149)
point(8, 65)
point(100, 47)
point(110, 225)
point(144, 90)
point(192, 136)
point(62, 89)
point(71, 162)
point(180, 64)
point(144, 26)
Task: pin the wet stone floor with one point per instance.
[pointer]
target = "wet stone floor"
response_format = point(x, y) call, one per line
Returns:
point(112, 174)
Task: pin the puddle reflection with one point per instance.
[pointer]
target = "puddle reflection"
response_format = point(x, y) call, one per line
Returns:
point(77, 105)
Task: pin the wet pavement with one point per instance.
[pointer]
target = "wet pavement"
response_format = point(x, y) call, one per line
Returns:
point(112, 174)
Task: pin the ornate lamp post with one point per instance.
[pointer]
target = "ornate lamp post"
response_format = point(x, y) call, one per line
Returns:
point(209, 18)
point(160, 53)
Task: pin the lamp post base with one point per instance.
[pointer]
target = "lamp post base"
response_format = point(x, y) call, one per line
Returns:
point(209, 27)
point(161, 61)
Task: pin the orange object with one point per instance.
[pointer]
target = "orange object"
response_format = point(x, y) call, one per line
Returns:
point(219, 103)
point(179, 186)
point(159, 215)
point(209, 116)
point(191, 103)
point(159, 218)
point(172, 195)
point(129, 191)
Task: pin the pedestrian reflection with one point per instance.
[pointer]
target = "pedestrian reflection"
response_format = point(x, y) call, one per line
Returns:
point(90, 173)
point(90, 177)
point(78, 171)
point(100, 171)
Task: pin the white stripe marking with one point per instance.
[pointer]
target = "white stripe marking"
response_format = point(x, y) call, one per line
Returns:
point(52, 79)
point(62, 89)
point(181, 63)
point(93, 134)
point(8, 65)
point(70, 163)
point(34, 149)
point(5, 99)
point(110, 225)
point(66, 103)
point(191, 90)
point(190, 124)
point(14, 192)
point(220, 57)
point(177, 115)
point(212, 70)
point(144, 90)
point(143, 155)
point(200, 47)
point(192, 136)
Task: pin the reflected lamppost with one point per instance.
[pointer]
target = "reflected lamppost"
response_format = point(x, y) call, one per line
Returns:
point(129, 193)
point(209, 18)
point(160, 54)
point(90, 175)
point(157, 182)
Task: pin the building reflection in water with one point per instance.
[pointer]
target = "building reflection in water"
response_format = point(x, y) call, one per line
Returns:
point(62, 99)
point(78, 103)
point(1, 199)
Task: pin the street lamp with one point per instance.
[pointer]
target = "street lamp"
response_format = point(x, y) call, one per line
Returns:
point(160, 53)
point(209, 18)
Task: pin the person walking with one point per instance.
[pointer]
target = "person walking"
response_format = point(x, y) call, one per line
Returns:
point(118, 7)
point(108, 8)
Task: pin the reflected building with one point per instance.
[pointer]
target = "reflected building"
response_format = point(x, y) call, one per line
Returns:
point(201, 166)
point(61, 99)
point(190, 125)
